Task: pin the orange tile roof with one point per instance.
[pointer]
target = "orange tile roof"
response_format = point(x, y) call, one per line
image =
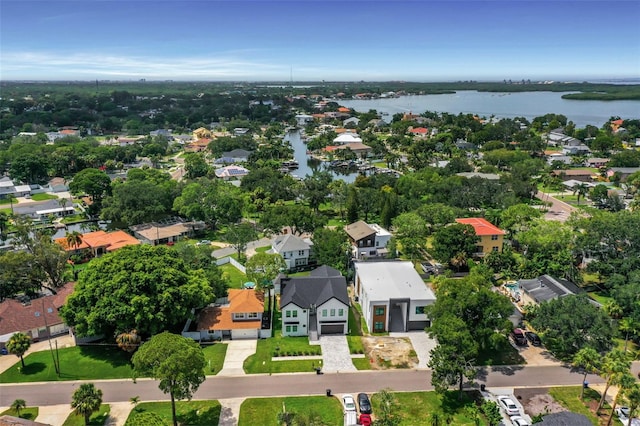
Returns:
point(344, 109)
point(420, 130)
point(221, 317)
point(481, 226)
point(111, 240)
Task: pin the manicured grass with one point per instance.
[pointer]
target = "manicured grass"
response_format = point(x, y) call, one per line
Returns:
point(505, 354)
point(262, 249)
point(569, 397)
point(29, 413)
point(187, 412)
point(235, 278)
point(364, 329)
point(416, 408)
point(355, 328)
point(336, 222)
point(73, 218)
point(43, 197)
point(361, 363)
point(355, 344)
point(214, 356)
point(76, 363)
point(599, 297)
point(264, 411)
point(300, 274)
point(97, 419)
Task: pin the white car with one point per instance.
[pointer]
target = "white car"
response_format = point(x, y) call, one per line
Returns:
point(519, 421)
point(508, 405)
point(349, 403)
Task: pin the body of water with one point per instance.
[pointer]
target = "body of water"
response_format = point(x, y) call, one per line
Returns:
point(504, 105)
point(308, 165)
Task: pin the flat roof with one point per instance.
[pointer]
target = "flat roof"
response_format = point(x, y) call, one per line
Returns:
point(392, 280)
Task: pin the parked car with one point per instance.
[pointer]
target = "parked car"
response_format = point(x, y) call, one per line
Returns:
point(623, 412)
point(533, 338)
point(203, 243)
point(518, 337)
point(519, 421)
point(508, 405)
point(364, 404)
point(349, 403)
point(4, 351)
point(365, 420)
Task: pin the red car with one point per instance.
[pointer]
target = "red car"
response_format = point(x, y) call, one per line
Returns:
point(365, 419)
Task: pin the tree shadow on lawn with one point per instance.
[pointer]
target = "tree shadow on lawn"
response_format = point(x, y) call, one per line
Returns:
point(113, 355)
point(452, 403)
point(199, 416)
point(33, 368)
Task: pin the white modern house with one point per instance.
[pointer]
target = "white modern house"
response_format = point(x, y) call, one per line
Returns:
point(392, 295)
point(294, 250)
point(314, 305)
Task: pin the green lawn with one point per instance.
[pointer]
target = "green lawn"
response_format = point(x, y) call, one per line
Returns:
point(569, 397)
point(235, 277)
point(263, 249)
point(416, 408)
point(300, 274)
point(355, 344)
point(336, 222)
point(264, 411)
point(599, 297)
point(29, 413)
point(358, 314)
point(214, 355)
point(196, 413)
point(76, 363)
point(361, 363)
point(97, 419)
point(43, 197)
point(504, 355)
point(355, 328)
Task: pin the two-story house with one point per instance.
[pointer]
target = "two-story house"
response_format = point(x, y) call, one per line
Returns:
point(295, 251)
point(314, 305)
point(367, 240)
point(238, 316)
point(491, 237)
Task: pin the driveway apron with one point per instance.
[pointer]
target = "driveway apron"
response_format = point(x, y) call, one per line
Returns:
point(336, 357)
point(237, 352)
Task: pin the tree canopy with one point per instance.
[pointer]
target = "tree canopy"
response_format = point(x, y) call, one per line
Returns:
point(143, 288)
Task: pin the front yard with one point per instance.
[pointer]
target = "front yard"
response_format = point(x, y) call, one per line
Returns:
point(187, 412)
point(261, 361)
point(309, 409)
point(97, 419)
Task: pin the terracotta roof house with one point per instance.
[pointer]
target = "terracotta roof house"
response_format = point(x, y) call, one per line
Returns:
point(7, 420)
point(238, 316)
point(38, 318)
point(367, 240)
point(624, 172)
point(100, 242)
point(344, 109)
point(491, 237)
point(419, 131)
point(315, 305)
point(201, 133)
point(197, 146)
point(392, 295)
point(583, 175)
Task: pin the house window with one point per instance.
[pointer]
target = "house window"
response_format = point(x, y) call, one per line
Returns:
point(294, 328)
point(324, 312)
point(212, 332)
point(378, 326)
point(252, 315)
point(495, 248)
point(340, 312)
point(494, 238)
point(238, 316)
point(295, 314)
point(333, 312)
point(300, 252)
point(287, 314)
point(419, 310)
point(288, 329)
point(379, 311)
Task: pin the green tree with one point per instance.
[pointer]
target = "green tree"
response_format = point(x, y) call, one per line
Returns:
point(94, 183)
point(142, 287)
point(177, 362)
point(571, 323)
point(451, 240)
point(352, 205)
point(449, 367)
point(19, 344)
point(195, 166)
point(239, 235)
point(518, 217)
point(135, 202)
point(628, 326)
point(212, 201)
point(614, 366)
point(301, 219)
point(411, 232)
point(262, 269)
point(74, 239)
point(129, 341)
point(632, 395)
point(316, 188)
point(19, 273)
point(18, 405)
point(492, 412)
point(581, 190)
point(86, 400)
point(624, 382)
point(331, 248)
point(388, 409)
point(589, 361)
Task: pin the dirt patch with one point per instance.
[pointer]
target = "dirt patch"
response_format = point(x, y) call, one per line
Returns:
point(537, 401)
point(389, 352)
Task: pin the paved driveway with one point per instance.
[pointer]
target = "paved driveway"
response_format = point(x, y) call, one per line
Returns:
point(237, 352)
point(336, 357)
point(421, 343)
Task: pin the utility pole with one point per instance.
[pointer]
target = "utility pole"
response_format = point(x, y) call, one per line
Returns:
point(46, 326)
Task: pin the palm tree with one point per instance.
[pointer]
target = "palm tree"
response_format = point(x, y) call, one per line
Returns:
point(18, 405)
point(74, 239)
point(615, 364)
point(11, 198)
point(623, 381)
point(129, 342)
point(582, 190)
point(627, 326)
point(589, 361)
point(18, 345)
point(632, 395)
point(86, 400)
point(135, 400)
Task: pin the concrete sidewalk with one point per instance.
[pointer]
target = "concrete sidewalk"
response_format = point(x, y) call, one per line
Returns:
point(230, 412)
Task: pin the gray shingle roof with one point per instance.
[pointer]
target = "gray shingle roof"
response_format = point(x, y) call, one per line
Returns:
point(307, 291)
point(565, 418)
point(289, 242)
point(545, 288)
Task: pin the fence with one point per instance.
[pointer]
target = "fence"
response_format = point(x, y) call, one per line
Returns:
point(240, 267)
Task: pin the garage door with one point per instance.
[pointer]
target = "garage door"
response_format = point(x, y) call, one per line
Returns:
point(245, 334)
point(332, 329)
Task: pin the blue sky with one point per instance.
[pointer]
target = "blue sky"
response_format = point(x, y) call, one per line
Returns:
point(319, 40)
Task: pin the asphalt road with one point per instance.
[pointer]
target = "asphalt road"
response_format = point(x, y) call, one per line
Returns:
point(37, 394)
point(559, 210)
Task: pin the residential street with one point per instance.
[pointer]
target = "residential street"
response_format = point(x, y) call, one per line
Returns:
point(559, 210)
point(39, 394)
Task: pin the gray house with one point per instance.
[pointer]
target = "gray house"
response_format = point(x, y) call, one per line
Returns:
point(294, 250)
point(314, 305)
point(545, 288)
